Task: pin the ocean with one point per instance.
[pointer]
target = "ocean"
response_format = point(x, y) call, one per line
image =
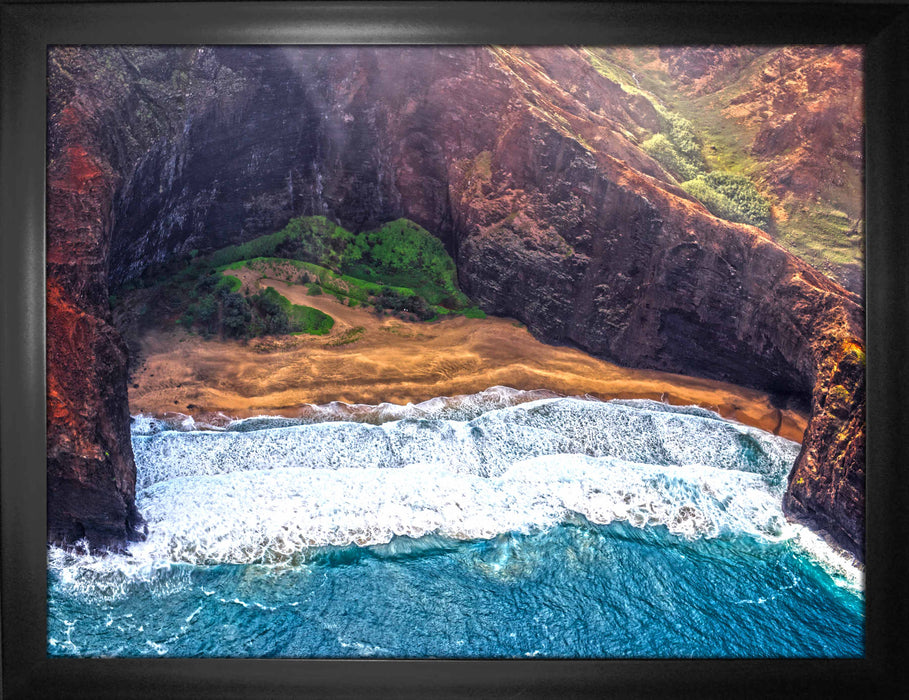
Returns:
point(505, 524)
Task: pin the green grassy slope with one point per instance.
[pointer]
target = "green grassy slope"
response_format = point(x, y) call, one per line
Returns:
point(710, 154)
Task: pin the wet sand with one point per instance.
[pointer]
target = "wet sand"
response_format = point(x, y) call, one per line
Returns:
point(399, 362)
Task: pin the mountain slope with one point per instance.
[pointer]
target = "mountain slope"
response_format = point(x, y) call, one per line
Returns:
point(788, 118)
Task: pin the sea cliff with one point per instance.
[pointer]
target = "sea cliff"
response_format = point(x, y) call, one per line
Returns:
point(527, 164)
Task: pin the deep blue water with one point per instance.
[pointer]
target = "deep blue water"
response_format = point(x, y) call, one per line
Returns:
point(463, 528)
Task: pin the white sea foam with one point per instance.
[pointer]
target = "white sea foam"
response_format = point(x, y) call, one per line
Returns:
point(266, 490)
point(646, 432)
point(461, 407)
point(266, 493)
point(144, 424)
point(269, 515)
point(841, 565)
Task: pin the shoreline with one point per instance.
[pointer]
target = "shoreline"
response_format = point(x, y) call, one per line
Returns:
point(372, 359)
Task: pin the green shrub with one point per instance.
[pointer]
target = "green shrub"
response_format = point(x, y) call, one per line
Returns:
point(660, 148)
point(683, 137)
point(206, 313)
point(732, 197)
point(312, 239)
point(400, 256)
point(303, 319)
point(235, 315)
point(403, 254)
point(310, 320)
point(677, 147)
point(394, 300)
point(207, 284)
point(264, 313)
point(231, 283)
point(273, 317)
point(750, 205)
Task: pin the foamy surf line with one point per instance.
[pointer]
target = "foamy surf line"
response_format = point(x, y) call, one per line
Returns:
point(637, 431)
point(459, 407)
point(271, 515)
point(267, 490)
point(275, 517)
point(250, 516)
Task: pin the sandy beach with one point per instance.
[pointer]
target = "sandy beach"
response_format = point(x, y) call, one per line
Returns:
point(367, 358)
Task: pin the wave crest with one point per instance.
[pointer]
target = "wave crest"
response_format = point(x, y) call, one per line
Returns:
point(645, 432)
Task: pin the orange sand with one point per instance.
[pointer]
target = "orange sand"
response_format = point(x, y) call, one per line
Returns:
point(400, 362)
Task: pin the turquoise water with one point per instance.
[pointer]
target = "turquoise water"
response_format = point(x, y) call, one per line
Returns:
point(496, 525)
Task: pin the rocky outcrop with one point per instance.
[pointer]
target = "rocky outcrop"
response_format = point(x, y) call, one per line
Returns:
point(800, 107)
point(104, 111)
point(90, 470)
point(524, 162)
point(827, 485)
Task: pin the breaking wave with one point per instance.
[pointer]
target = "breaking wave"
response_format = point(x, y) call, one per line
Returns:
point(490, 482)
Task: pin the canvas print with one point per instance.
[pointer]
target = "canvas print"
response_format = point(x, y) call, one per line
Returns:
point(455, 352)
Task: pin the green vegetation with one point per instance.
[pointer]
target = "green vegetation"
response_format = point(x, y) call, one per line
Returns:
point(825, 229)
point(732, 197)
point(725, 194)
point(394, 300)
point(233, 283)
point(313, 239)
point(750, 206)
point(220, 310)
point(679, 147)
point(684, 142)
point(400, 254)
point(399, 267)
point(613, 72)
point(403, 254)
point(661, 149)
point(303, 319)
point(340, 286)
point(825, 238)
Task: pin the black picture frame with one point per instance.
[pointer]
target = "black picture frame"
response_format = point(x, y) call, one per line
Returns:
point(29, 27)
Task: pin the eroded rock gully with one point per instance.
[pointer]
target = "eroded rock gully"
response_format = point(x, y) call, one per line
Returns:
point(523, 162)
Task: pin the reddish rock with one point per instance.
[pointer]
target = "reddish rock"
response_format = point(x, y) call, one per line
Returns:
point(807, 112)
point(705, 69)
point(90, 471)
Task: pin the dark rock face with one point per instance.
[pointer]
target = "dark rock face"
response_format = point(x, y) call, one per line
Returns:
point(90, 471)
point(523, 162)
point(827, 485)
